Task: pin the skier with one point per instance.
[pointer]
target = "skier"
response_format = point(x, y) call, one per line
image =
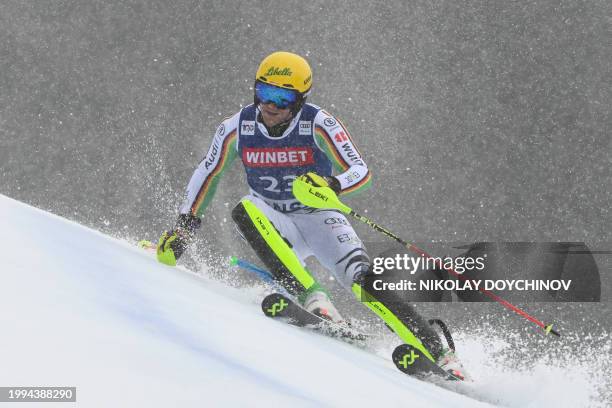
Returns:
point(278, 138)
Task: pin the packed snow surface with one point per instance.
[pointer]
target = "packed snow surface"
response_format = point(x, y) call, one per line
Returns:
point(79, 308)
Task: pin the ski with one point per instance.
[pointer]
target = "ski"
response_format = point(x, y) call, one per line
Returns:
point(411, 361)
point(279, 306)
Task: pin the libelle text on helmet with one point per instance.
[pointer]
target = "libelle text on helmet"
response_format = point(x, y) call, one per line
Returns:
point(279, 71)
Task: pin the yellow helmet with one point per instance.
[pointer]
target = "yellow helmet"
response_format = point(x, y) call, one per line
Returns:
point(285, 70)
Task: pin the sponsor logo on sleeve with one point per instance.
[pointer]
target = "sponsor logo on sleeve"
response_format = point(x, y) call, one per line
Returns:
point(305, 127)
point(351, 176)
point(247, 127)
point(213, 153)
point(277, 156)
point(349, 151)
point(221, 130)
point(329, 122)
point(341, 137)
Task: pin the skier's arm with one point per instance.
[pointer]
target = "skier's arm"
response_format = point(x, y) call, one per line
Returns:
point(200, 191)
point(333, 138)
point(203, 183)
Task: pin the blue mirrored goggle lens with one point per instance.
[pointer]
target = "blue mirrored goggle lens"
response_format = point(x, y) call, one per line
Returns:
point(281, 97)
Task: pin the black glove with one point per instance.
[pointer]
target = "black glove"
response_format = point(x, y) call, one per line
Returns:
point(323, 181)
point(173, 243)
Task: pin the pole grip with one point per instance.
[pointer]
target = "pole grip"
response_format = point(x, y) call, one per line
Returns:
point(549, 330)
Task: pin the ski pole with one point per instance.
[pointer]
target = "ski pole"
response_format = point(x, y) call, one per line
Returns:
point(148, 245)
point(324, 197)
point(234, 261)
point(263, 274)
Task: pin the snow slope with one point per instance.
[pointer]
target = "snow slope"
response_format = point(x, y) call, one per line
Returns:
point(78, 308)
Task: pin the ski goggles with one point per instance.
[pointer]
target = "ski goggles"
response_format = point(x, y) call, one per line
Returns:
point(281, 97)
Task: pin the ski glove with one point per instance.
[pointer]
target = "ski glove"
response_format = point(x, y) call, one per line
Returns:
point(173, 243)
point(322, 181)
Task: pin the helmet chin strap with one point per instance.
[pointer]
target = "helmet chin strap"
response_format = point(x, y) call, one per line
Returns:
point(278, 129)
point(297, 107)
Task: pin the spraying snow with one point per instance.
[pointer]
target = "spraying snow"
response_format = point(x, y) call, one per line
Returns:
point(79, 308)
point(82, 309)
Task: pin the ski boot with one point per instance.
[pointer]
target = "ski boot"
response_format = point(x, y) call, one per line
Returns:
point(318, 303)
point(448, 360)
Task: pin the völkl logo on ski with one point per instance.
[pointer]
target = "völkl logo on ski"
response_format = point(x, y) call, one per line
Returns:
point(278, 307)
point(406, 362)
